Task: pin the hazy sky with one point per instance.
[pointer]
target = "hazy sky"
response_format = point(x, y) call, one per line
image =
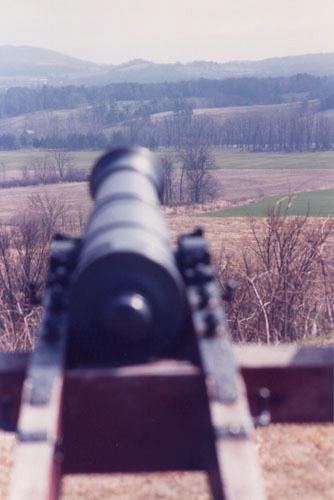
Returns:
point(115, 31)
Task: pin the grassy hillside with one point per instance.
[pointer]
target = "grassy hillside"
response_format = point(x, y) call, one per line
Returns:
point(316, 203)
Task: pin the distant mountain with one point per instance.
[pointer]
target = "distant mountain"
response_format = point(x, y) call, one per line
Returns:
point(32, 66)
point(146, 71)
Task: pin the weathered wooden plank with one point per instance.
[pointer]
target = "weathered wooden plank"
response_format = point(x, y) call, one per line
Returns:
point(232, 427)
point(39, 424)
point(36, 473)
point(236, 451)
point(36, 466)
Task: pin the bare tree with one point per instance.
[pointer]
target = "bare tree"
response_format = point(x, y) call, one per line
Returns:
point(3, 172)
point(196, 163)
point(42, 169)
point(62, 162)
point(49, 210)
point(169, 178)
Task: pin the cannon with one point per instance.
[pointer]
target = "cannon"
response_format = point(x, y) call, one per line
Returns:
point(127, 299)
point(134, 369)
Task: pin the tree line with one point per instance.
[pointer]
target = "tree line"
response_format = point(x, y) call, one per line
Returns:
point(166, 96)
point(72, 141)
point(283, 131)
point(291, 130)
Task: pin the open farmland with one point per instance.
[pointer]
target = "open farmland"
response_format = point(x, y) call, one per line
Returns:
point(14, 161)
point(235, 185)
point(228, 232)
point(75, 197)
point(239, 176)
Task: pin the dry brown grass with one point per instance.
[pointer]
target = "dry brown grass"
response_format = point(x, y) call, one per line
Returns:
point(240, 185)
point(297, 463)
point(13, 200)
point(180, 219)
point(229, 231)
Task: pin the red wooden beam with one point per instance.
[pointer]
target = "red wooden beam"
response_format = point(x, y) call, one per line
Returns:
point(300, 380)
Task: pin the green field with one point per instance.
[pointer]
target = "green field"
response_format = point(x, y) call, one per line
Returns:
point(275, 161)
point(315, 203)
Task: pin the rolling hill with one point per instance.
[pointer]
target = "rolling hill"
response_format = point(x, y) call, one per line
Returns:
point(27, 66)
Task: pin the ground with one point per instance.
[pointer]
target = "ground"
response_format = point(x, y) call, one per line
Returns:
point(297, 463)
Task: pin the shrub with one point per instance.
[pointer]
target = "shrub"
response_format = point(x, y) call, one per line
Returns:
point(24, 255)
point(285, 280)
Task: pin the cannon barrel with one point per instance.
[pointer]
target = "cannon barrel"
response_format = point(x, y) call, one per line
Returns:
point(127, 298)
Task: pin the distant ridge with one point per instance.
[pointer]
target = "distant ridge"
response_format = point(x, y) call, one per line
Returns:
point(27, 54)
point(27, 66)
point(32, 65)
